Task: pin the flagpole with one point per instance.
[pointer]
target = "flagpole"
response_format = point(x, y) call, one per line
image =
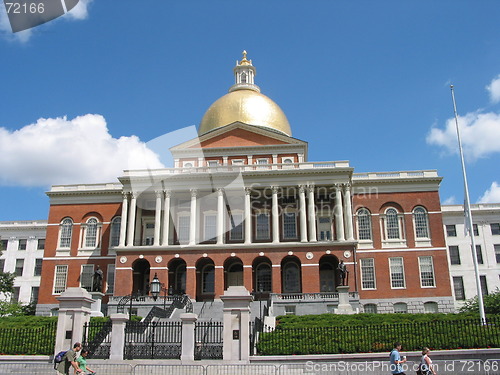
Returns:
point(468, 217)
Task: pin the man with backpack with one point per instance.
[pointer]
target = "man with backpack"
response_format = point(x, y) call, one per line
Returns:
point(69, 360)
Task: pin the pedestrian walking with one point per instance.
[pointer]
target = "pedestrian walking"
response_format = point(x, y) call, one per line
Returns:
point(82, 361)
point(396, 360)
point(69, 360)
point(426, 367)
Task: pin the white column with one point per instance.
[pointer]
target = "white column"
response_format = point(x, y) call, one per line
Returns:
point(312, 214)
point(192, 224)
point(248, 216)
point(349, 233)
point(339, 214)
point(220, 216)
point(275, 214)
point(156, 240)
point(166, 218)
point(118, 322)
point(188, 343)
point(302, 213)
point(123, 224)
point(131, 220)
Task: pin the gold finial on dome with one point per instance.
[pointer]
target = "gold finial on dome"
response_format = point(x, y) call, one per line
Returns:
point(244, 60)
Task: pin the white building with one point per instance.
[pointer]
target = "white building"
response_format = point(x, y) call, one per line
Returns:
point(486, 222)
point(23, 244)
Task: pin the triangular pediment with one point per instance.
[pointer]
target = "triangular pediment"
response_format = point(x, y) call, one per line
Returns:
point(239, 135)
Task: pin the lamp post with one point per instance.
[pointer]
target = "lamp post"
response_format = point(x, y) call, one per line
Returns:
point(156, 287)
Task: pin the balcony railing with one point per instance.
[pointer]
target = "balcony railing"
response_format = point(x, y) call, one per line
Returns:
point(310, 297)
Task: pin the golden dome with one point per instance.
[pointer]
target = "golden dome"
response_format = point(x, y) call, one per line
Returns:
point(246, 106)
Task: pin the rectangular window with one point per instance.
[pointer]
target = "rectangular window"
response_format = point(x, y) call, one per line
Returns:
point(3, 244)
point(34, 294)
point(184, 228)
point(86, 277)
point(479, 254)
point(110, 279)
point(495, 229)
point(19, 267)
point(426, 272)
point(22, 244)
point(458, 285)
point(484, 285)
point(213, 163)
point(38, 267)
point(2, 265)
point(236, 232)
point(262, 226)
point(41, 244)
point(397, 272)
point(289, 225)
point(61, 275)
point(368, 273)
point(451, 230)
point(497, 252)
point(454, 254)
point(210, 227)
point(475, 229)
point(15, 296)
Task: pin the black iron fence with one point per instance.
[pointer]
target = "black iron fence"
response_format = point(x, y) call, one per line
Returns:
point(451, 334)
point(28, 341)
point(97, 339)
point(208, 339)
point(158, 340)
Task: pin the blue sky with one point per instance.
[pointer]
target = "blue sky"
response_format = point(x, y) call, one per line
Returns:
point(362, 81)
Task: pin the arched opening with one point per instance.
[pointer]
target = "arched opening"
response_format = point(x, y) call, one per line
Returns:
point(262, 278)
point(328, 278)
point(140, 270)
point(291, 275)
point(205, 280)
point(177, 277)
point(233, 273)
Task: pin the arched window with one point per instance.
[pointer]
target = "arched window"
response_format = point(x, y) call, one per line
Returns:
point(91, 233)
point(263, 278)
point(115, 231)
point(291, 278)
point(208, 278)
point(66, 231)
point(421, 222)
point(364, 224)
point(370, 308)
point(235, 275)
point(400, 308)
point(431, 307)
point(392, 224)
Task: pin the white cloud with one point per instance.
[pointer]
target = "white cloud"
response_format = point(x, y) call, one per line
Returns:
point(62, 151)
point(6, 30)
point(494, 89)
point(80, 11)
point(480, 133)
point(492, 195)
point(450, 200)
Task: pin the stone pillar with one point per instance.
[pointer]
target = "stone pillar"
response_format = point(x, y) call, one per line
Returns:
point(236, 335)
point(74, 312)
point(344, 305)
point(156, 240)
point(131, 220)
point(117, 336)
point(123, 223)
point(220, 216)
point(339, 214)
point(192, 224)
point(275, 214)
point(312, 215)
point(302, 213)
point(248, 216)
point(166, 218)
point(349, 232)
point(95, 307)
point(188, 343)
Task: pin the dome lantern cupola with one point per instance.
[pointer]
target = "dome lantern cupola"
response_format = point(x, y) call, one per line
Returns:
point(244, 75)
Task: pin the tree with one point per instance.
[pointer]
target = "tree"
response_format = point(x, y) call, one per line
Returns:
point(491, 304)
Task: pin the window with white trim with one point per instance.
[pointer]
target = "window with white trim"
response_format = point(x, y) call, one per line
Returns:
point(426, 272)
point(90, 231)
point(364, 222)
point(454, 254)
point(458, 286)
point(289, 225)
point(431, 307)
point(367, 273)
point(22, 244)
point(19, 267)
point(65, 233)
point(38, 267)
point(110, 279)
point(262, 226)
point(236, 227)
point(40, 244)
point(183, 228)
point(210, 227)
point(396, 266)
point(116, 224)
point(370, 308)
point(400, 308)
point(451, 230)
point(392, 227)
point(60, 279)
point(421, 222)
point(86, 277)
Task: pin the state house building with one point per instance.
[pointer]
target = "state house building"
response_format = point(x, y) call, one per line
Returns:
point(243, 205)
